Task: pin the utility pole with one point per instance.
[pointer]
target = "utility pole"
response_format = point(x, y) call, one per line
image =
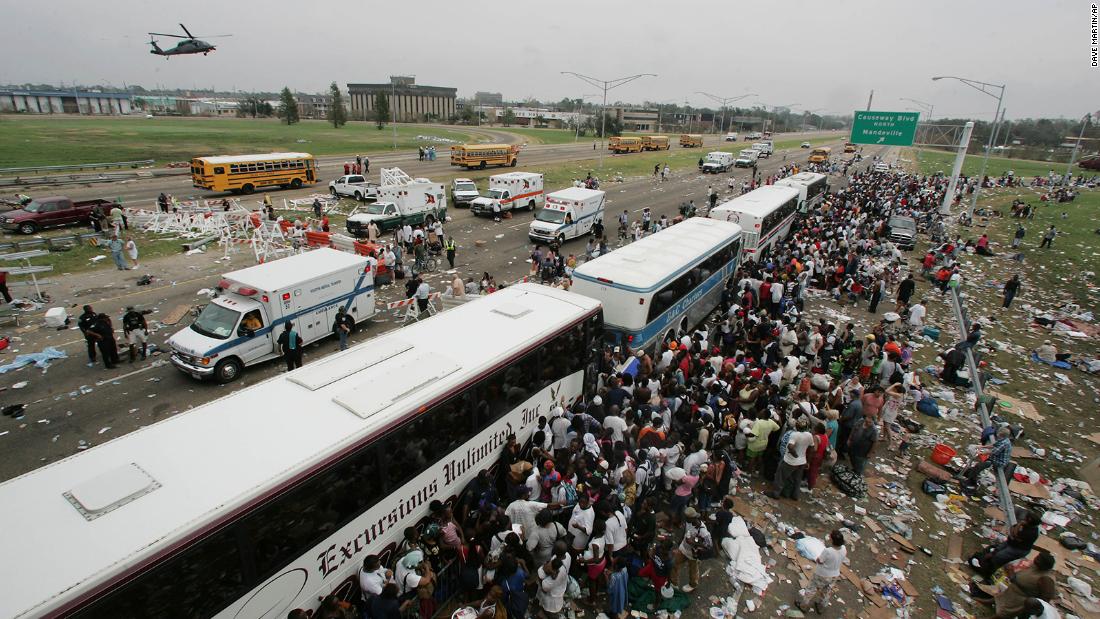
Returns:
point(870, 99)
point(1076, 145)
point(606, 85)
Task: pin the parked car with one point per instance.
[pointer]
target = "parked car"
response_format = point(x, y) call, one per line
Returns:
point(354, 186)
point(52, 212)
point(804, 145)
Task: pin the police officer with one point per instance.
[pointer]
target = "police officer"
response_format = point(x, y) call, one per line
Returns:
point(451, 247)
point(85, 322)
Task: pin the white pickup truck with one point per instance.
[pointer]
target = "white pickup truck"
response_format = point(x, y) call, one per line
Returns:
point(354, 186)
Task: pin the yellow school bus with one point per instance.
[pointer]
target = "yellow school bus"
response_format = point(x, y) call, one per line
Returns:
point(625, 145)
point(655, 142)
point(481, 155)
point(849, 147)
point(691, 140)
point(820, 155)
point(245, 173)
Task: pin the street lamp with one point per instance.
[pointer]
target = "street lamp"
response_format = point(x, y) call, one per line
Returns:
point(981, 87)
point(724, 101)
point(775, 108)
point(576, 118)
point(1076, 145)
point(926, 107)
point(606, 85)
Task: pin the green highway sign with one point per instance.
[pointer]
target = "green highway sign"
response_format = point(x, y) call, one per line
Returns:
point(888, 128)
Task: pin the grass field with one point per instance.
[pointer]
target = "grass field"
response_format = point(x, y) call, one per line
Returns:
point(60, 141)
point(1052, 277)
point(932, 161)
point(542, 136)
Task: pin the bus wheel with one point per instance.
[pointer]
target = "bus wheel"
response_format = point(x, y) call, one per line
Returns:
point(227, 371)
point(247, 189)
point(296, 183)
point(514, 162)
point(481, 166)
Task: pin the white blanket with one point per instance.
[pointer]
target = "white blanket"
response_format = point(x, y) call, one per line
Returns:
point(744, 564)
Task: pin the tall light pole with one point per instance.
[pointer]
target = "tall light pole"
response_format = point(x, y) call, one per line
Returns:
point(576, 120)
point(983, 88)
point(1076, 145)
point(775, 108)
point(606, 85)
point(724, 101)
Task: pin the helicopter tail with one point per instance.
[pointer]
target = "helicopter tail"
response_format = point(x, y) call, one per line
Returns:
point(156, 48)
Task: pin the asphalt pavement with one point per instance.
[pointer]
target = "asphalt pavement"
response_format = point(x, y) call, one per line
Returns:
point(71, 406)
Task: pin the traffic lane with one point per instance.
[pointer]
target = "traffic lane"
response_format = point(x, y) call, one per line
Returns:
point(507, 246)
point(79, 407)
point(142, 193)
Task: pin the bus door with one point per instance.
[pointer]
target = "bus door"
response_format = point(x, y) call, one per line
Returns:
point(309, 171)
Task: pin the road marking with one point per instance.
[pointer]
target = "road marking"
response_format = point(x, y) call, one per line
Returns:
point(155, 364)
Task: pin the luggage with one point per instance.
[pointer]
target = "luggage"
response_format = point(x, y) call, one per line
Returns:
point(931, 332)
point(849, 482)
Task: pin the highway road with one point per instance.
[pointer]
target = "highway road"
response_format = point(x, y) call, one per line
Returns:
point(142, 193)
point(75, 407)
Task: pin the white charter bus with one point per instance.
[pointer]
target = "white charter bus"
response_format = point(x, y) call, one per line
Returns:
point(811, 188)
point(764, 214)
point(260, 502)
point(663, 284)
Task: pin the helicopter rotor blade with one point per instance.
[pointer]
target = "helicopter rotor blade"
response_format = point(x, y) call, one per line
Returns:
point(213, 36)
point(174, 36)
point(189, 35)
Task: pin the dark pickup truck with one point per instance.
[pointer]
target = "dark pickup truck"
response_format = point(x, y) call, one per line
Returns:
point(51, 212)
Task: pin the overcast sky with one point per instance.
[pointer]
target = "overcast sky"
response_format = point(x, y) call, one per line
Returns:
point(818, 54)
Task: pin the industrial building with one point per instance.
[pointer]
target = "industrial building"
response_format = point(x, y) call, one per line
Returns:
point(313, 106)
point(66, 102)
point(637, 119)
point(408, 101)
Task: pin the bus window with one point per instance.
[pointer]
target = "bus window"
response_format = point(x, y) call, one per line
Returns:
point(219, 170)
point(203, 579)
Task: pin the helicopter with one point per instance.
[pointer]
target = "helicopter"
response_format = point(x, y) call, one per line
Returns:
point(189, 44)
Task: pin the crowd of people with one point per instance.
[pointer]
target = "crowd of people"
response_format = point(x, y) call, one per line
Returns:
point(637, 480)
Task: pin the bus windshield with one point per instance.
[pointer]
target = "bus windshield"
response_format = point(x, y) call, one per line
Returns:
point(216, 321)
point(550, 216)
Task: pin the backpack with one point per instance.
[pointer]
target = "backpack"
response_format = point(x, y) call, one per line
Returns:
point(515, 601)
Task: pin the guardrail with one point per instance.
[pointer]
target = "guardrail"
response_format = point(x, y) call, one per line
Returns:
point(976, 385)
point(77, 166)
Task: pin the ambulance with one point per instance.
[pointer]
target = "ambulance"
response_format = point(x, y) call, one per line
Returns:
point(241, 325)
point(511, 190)
point(568, 213)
